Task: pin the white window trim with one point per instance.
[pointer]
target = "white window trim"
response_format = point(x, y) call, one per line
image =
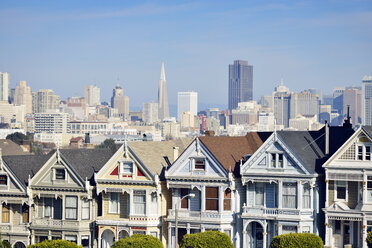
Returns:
point(126, 162)
point(110, 208)
point(363, 145)
point(346, 192)
point(55, 174)
point(7, 180)
point(276, 164)
point(205, 163)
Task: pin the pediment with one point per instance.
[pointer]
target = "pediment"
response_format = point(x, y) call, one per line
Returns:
point(57, 173)
point(338, 206)
point(125, 165)
point(190, 163)
point(274, 157)
point(13, 184)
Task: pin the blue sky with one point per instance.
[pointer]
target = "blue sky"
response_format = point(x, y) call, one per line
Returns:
point(65, 45)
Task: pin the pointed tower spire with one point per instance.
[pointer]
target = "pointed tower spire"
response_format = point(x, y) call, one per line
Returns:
point(163, 96)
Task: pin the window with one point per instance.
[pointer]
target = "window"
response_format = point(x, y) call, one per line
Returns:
point(85, 241)
point(306, 197)
point(71, 238)
point(5, 213)
point(154, 204)
point(184, 201)
point(85, 209)
point(368, 153)
point(200, 164)
point(71, 207)
point(139, 232)
point(273, 160)
point(360, 152)
point(139, 201)
point(211, 198)
point(276, 160)
point(337, 226)
point(364, 152)
point(48, 207)
point(60, 174)
point(3, 180)
point(25, 213)
point(259, 191)
point(227, 200)
point(341, 190)
point(289, 195)
point(289, 229)
point(126, 167)
point(114, 202)
point(280, 160)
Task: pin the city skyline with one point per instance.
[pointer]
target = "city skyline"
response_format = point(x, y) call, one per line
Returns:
point(306, 43)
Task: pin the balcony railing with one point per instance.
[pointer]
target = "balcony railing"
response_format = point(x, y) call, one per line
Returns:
point(4, 228)
point(55, 223)
point(199, 215)
point(261, 211)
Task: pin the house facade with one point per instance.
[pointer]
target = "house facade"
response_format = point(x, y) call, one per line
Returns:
point(348, 177)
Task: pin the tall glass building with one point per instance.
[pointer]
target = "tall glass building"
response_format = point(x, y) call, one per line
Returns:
point(367, 100)
point(240, 83)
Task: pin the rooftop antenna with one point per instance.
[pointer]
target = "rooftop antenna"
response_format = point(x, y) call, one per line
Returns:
point(281, 82)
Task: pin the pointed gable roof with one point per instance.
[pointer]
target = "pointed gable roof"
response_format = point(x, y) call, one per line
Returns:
point(230, 150)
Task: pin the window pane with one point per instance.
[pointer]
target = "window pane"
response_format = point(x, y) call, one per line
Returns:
point(200, 164)
point(3, 180)
point(289, 195)
point(211, 201)
point(71, 207)
point(184, 201)
point(306, 201)
point(25, 213)
point(85, 208)
point(114, 202)
point(259, 190)
point(48, 207)
point(139, 201)
point(227, 200)
point(5, 214)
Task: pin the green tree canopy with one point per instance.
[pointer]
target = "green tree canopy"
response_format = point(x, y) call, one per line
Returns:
point(208, 239)
point(138, 241)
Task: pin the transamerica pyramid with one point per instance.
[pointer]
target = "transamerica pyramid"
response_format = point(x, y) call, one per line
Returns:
point(163, 96)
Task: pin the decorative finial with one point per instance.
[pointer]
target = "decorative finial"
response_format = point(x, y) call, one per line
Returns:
point(126, 145)
point(197, 145)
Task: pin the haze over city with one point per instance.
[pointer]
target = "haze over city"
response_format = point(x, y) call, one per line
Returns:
point(65, 45)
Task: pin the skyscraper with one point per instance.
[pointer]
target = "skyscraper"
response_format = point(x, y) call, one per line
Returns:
point(44, 100)
point(150, 112)
point(187, 102)
point(120, 102)
point(92, 95)
point(162, 95)
point(4, 86)
point(240, 83)
point(23, 96)
point(352, 99)
point(366, 100)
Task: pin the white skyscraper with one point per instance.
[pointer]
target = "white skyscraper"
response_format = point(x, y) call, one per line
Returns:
point(4, 86)
point(92, 95)
point(150, 112)
point(187, 102)
point(163, 96)
point(367, 100)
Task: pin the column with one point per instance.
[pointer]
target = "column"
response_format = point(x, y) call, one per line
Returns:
point(202, 198)
point(364, 237)
point(264, 238)
point(79, 202)
point(312, 199)
point(188, 228)
point(99, 241)
point(327, 233)
point(327, 193)
point(169, 236)
point(63, 207)
point(244, 238)
point(280, 193)
point(299, 194)
point(131, 202)
point(148, 202)
point(365, 180)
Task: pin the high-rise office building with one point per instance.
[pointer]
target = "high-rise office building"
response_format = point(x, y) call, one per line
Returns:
point(120, 102)
point(92, 95)
point(338, 96)
point(23, 96)
point(44, 100)
point(367, 100)
point(4, 86)
point(150, 112)
point(304, 103)
point(353, 99)
point(240, 83)
point(187, 102)
point(282, 108)
point(163, 96)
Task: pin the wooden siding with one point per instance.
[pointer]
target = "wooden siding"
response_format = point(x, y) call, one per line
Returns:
point(331, 192)
point(124, 199)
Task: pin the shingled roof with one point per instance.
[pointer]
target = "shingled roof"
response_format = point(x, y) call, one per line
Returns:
point(230, 150)
point(152, 153)
point(9, 148)
point(24, 166)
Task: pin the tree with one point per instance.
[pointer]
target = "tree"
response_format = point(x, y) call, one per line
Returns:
point(138, 241)
point(208, 239)
point(59, 243)
point(108, 143)
point(17, 137)
point(369, 240)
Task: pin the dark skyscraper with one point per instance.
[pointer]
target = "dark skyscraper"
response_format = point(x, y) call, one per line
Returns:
point(240, 83)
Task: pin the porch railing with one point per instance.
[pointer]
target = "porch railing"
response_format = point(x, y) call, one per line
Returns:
point(269, 211)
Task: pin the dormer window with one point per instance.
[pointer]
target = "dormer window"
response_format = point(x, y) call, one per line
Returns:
point(364, 152)
point(199, 163)
point(3, 180)
point(60, 174)
point(126, 167)
point(276, 160)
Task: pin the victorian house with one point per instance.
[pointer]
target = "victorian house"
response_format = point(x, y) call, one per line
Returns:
point(59, 193)
point(131, 197)
point(348, 209)
point(283, 182)
point(205, 186)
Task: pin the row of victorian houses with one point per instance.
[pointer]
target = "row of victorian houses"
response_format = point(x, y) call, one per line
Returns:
point(251, 188)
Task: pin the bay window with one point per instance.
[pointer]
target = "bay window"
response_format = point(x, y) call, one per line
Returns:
point(85, 209)
point(184, 201)
point(259, 194)
point(306, 197)
point(139, 202)
point(114, 199)
point(289, 195)
point(211, 198)
point(341, 190)
point(71, 207)
point(5, 213)
point(227, 200)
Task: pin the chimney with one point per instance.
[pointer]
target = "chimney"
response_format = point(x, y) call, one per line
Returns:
point(326, 138)
point(347, 122)
point(87, 138)
point(175, 152)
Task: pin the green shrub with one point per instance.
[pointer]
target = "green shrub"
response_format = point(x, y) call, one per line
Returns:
point(209, 239)
point(55, 244)
point(6, 244)
point(299, 240)
point(369, 240)
point(138, 241)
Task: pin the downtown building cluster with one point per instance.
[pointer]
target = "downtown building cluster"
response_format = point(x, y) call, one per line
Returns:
point(251, 187)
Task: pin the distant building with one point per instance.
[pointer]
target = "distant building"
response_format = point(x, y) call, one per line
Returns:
point(304, 103)
point(76, 107)
point(246, 113)
point(23, 96)
point(92, 95)
point(150, 112)
point(163, 96)
point(240, 83)
point(187, 102)
point(51, 122)
point(338, 96)
point(44, 100)
point(353, 98)
point(120, 102)
point(367, 100)
point(327, 100)
point(4, 86)
point(282, 108)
